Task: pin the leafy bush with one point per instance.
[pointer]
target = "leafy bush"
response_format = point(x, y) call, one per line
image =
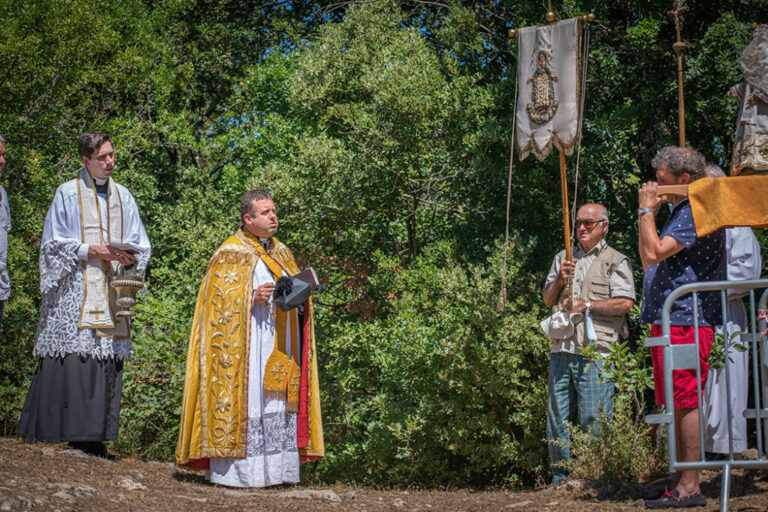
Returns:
point(625, 448)
point(623, 451)
point(153, 381)
point(440, 388)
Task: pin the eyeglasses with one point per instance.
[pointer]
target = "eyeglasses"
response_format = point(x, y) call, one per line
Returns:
point(588, 223)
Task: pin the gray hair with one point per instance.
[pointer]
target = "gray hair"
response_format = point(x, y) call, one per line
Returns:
point(714, 171)
point(603, 211)
point(679, 160)
point(2, 139)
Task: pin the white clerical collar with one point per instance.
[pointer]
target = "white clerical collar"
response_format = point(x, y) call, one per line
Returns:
point(99, 181)
point(264, 243)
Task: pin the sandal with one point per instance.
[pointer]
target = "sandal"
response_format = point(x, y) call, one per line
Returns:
point(672, 499)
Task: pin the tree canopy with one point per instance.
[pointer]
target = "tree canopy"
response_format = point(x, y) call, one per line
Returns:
point(383, 130)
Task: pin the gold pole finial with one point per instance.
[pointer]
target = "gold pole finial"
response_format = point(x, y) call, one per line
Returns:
point(679, 46)
point(550, 16)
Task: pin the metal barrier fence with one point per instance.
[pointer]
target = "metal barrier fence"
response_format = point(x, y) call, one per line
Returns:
point(686, 357)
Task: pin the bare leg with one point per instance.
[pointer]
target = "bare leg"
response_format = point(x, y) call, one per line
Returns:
point(688, 449)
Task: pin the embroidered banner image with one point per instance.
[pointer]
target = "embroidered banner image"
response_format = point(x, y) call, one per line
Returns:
point(548, 92)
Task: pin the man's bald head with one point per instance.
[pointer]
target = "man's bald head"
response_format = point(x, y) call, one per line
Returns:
point(599, 209)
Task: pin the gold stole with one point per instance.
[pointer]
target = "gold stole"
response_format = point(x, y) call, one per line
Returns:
point(98, 306)
point(282, 374)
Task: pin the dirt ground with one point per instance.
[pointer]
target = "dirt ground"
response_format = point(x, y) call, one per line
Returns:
point(56, 478)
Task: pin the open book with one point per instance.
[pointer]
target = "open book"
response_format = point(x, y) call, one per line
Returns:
point(308, 276)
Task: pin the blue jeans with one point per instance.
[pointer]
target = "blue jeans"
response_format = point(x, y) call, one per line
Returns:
point(577, 394)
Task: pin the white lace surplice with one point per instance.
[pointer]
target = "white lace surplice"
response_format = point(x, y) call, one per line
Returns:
point(62, 282)
point(272, 455)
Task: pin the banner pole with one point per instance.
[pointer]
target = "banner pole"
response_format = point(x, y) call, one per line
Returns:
point(566, 215)
point(679, 46)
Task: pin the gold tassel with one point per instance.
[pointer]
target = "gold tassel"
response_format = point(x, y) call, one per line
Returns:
point(502, 300)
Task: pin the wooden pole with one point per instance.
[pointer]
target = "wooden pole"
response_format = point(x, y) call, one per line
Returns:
point(680, 100)
point(677, 190)
point(566, 214)
point(679, 46)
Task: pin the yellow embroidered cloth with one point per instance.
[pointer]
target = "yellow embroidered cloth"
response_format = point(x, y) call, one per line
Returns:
point(727, 202)
point(215, 406)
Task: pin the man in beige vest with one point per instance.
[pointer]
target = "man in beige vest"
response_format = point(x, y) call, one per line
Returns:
point(603, 294)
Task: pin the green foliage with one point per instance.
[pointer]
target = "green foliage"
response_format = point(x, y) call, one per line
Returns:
point(625, 447)
point(626, 368)
point(442, 388)
point(622, 451)
point(369, 87)
point(718, 353)
point(153, 381)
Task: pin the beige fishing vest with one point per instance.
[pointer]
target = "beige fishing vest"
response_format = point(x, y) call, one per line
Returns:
point(597, 286)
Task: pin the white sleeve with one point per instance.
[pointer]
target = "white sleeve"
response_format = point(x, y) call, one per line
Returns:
point(82, 252)
point(133, 229)
point(743, 255)
point(62, 222)
point(3, 249)
point(554, 270)
point(61, 239)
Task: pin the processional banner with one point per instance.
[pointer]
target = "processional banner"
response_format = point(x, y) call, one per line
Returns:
point(548, 88)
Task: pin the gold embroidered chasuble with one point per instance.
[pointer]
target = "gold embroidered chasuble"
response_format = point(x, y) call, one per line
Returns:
point(214, 411)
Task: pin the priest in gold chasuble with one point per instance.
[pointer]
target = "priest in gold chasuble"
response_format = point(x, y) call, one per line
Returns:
point(251, 409)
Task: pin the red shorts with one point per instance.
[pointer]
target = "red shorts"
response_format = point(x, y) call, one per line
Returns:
point(684, 381)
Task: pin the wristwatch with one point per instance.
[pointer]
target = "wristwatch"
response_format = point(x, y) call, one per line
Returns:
point(641, 211)
point(588, 305)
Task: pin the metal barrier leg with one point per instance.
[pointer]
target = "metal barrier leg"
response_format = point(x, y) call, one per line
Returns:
point(686, 357)
point(725, 488)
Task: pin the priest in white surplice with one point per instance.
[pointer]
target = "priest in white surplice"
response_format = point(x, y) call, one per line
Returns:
point(744, 263)
point(81, 342)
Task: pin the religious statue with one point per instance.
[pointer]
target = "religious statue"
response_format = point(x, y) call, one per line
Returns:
point(544, 103)
point(750, 148)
